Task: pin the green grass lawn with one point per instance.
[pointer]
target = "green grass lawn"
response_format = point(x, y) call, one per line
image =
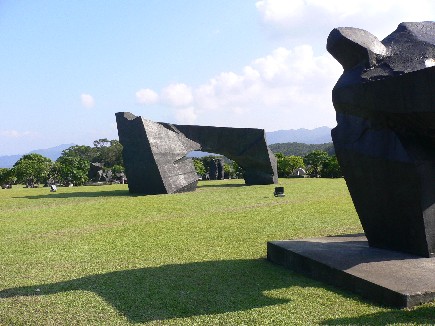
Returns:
point(100, 256)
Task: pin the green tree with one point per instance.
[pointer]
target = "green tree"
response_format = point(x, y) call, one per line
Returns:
point(72, 170)
point(279, 156)
point(331, 168)
point(229, 171)
point(295, 162)
point(118, 169)
point(199, 166)
point(287, 164)
point(86, 153)
point(238, 171)
point(108, 152)
point(314, 161)
point(32, 169)
point(7, 176)
point(281, 166)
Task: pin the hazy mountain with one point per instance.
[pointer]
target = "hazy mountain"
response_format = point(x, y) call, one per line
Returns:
point(52, 153)
point(319, 135)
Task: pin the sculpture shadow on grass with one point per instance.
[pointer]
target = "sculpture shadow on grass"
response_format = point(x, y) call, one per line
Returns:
point(171, 291)
point(202, 288)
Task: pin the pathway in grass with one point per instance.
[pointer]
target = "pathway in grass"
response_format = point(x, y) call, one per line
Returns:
point(98, 255)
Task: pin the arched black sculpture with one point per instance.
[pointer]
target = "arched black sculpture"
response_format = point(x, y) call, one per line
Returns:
point(246, 146)
point(385, 136)
point(154, 156)
point(155, 160)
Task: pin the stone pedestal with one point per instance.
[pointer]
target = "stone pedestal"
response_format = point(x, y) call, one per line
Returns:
point(387, 277)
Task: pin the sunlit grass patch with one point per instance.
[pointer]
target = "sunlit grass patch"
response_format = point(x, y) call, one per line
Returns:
point(101, 256)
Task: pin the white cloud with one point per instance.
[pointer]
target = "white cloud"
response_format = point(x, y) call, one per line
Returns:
point(177, 95)
point(186, 115)
point(313, 19)
point(289, 88)
point(146, 96)
point(15, 134)
point(87, 101)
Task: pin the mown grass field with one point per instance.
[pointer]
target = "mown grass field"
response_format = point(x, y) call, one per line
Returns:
point(100, 256)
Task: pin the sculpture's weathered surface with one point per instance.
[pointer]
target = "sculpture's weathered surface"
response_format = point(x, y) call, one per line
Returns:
point(155, 156)
point(246, 146)
point(155, 160)
point(385, 134)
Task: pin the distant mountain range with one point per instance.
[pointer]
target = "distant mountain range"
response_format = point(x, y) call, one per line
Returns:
point(320, 135)
point(52, 153)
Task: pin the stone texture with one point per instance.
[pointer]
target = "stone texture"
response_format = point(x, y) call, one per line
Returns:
point(388, 277)
point(155, 156)
point(385, 134)
point(246, 146)
point(155, 160)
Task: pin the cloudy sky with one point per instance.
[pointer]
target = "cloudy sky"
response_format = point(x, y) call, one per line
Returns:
point(68, 66)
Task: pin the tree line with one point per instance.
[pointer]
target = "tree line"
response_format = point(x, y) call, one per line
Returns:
point(73, 165)
point(316, 164)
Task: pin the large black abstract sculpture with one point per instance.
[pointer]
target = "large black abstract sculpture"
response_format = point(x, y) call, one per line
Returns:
point(385, 134)
point(155, 156)
point(155, 153)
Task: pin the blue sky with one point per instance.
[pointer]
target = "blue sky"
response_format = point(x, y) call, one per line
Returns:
point(68, 66)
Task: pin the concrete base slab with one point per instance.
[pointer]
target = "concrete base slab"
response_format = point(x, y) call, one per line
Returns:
point(388, 277)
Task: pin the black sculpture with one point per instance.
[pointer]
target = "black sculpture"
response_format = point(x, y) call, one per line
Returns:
point(216, 169)
point(96, 171)
point(246, 146)
point(155, 153)
point(385, 134)
point(155, 156)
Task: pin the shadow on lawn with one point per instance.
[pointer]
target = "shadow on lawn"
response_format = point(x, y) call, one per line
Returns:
point(173, 291)
point(202, 288)
point(111, 193)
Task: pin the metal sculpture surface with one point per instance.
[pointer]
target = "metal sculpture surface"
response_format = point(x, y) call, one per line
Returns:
point(155, 159)
point(246, 146)
point(155, 156)
point(385, 134)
